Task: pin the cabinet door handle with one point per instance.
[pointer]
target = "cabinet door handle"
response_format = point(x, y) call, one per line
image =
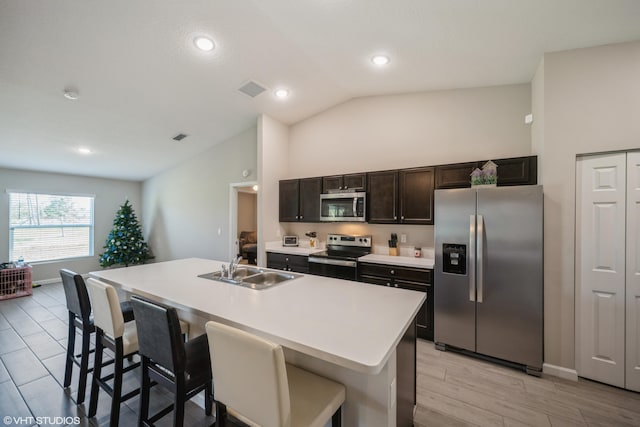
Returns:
point(301, 216)
point(402, 217)
point(392, 272)
point(396, 285)
point(388, 284)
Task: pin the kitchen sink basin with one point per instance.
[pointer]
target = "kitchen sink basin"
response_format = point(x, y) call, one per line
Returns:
point(252, 277)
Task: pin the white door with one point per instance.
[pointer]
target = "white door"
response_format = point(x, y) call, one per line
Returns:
point(633, 272)
point(600, 267)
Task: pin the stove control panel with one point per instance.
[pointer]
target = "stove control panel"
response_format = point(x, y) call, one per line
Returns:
point(347, 240)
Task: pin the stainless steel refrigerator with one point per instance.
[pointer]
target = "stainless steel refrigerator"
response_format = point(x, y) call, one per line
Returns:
point(489, 273)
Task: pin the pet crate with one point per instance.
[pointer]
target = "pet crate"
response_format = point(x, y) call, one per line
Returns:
point(15, 282)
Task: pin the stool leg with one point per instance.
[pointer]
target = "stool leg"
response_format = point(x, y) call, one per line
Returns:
point(71, 343)
point(336, 419)
point(178, 401)
point(117, 384)
point(84, 366)
point(221, 415)
point(208, 398)
point(97, 371)
point(145, 385)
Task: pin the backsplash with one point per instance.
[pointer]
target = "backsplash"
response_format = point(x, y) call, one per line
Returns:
point(417, 235)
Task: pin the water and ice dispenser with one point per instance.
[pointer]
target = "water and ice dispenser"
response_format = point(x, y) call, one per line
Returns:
point(454, 258)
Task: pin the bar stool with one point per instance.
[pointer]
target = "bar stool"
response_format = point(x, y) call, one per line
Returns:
point(183, 369)
point(120, 337)
point(254, 384)
point(79, 307)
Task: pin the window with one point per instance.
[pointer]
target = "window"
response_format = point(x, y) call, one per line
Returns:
point(46, 227)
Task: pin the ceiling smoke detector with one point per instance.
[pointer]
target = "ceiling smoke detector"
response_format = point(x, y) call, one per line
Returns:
point(70, 94)
point(179, 137)
point(252, 89)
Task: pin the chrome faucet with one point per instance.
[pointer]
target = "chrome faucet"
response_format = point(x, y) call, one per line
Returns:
point(233, 266)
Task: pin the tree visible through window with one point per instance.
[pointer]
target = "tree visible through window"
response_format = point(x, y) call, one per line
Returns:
point(45, 227)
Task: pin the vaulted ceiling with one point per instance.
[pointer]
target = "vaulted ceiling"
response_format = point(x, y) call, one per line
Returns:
point(140, 80)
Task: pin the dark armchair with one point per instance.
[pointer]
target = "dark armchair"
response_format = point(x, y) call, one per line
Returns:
point(248, 245)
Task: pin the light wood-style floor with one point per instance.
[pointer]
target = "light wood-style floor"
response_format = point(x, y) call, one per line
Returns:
point(453, 390)
point(456, 390)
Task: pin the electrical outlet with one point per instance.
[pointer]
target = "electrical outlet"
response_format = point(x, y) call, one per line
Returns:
point(403, 238)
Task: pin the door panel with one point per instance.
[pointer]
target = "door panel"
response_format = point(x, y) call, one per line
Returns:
point(509, 322)
point(600, 267)
point(454, 318)
point(633, 272)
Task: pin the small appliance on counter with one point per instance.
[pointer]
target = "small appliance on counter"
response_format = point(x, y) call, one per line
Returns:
point(313, 239)
point(290, 241)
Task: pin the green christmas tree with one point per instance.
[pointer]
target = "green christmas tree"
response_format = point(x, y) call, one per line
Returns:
point(125, 244)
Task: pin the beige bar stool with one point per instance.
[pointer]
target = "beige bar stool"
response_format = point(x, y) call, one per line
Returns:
point(255, 385)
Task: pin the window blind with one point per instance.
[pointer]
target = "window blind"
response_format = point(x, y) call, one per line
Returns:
point(46, 227)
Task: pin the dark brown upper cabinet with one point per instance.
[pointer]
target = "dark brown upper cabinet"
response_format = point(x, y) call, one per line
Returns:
point(288, 203)
point(517, 171)
point(512, 171)
point(455, 176)
point(416, 195)
point(300, 200)
point(382, 197)
point(310, 189)
point(355, 181)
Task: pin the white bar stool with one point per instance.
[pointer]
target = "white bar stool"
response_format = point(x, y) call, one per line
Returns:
point(255, 385)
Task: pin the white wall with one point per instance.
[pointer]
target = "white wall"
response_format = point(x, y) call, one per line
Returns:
point(109, 195)
point(273, 158)
point(398, 131)
point(417, 129)
point(185, 206)
point(591, 103)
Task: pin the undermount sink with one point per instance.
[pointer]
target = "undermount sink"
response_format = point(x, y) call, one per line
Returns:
point(252, 277)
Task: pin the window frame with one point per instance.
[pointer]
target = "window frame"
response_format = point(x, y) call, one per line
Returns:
point(90, 226)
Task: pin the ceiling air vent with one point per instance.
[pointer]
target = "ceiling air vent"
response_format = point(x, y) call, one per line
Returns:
point(252, 89)
point(179, 137)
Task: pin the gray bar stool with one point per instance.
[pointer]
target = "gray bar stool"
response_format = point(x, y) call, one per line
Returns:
point(182, 368)
point(255, 385)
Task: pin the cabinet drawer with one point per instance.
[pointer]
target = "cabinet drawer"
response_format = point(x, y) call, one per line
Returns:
point(296, 263)
point(375, 280)
point(420, 275)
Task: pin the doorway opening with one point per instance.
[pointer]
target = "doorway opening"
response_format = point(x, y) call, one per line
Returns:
point(243, 218)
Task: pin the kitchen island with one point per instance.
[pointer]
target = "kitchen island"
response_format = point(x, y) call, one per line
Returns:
point(360, 335)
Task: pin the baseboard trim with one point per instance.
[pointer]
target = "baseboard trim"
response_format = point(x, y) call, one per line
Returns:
point(559, 371)
point(47, 281)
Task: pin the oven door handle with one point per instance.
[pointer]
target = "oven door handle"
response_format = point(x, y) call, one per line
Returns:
point(328, 261)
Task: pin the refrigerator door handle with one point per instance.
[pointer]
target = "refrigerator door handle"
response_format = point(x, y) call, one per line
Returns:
point(472, 258)
point(480, 242)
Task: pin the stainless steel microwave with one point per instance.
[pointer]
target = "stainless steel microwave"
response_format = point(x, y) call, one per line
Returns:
point(343, 207)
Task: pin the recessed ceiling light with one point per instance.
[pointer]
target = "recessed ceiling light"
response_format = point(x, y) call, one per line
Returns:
point(380, 60)
point(281, 93)
point(70, 94)
point(84, 150)
point(204, 43)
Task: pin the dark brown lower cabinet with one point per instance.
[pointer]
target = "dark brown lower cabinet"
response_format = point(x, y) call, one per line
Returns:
point(415, 279)
point(287, 262)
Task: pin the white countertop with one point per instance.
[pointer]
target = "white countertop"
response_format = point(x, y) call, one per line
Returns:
point(351, 324)
point(403, 261)
point(291, 250)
